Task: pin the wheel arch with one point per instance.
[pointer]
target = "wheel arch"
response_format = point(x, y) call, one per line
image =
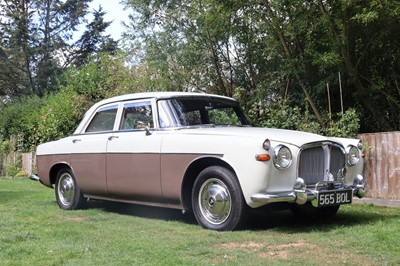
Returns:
point(191, 174)
point(55, 169)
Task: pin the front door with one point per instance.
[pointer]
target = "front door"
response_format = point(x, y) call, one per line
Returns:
point(133, 155)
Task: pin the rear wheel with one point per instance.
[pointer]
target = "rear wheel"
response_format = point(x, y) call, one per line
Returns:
point(217, 200)
point(68, 194)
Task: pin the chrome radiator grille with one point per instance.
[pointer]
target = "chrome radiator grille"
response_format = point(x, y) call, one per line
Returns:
point(320, 162)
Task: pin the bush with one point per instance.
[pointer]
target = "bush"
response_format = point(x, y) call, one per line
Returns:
point(99, 79)
point(21, 173)
point(282, 115)
point(12, 170)
point(19, 116)
point(279, 115)
point(346, 125)
point(5, 147)
point(58, 117)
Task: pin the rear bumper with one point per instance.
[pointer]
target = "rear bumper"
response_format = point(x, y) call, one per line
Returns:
point(301, 194)
point(34, 177)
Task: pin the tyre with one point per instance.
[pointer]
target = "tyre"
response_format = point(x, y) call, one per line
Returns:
point(217, 200)
point(68, 194)
point(308, 211)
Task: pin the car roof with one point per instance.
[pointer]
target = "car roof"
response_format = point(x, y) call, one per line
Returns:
point(158, 95)
point(147, 95)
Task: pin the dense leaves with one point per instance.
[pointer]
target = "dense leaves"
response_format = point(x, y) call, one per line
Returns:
point(280, 50)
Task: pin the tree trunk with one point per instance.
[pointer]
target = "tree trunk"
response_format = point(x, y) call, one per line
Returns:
point(288, 54)
point(361, 89)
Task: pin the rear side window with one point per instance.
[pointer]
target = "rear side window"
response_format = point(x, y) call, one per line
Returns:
point(103, 120)
point(137, 115)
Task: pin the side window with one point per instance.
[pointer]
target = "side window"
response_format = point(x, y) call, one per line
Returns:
point(137, 115)
point(103, 120)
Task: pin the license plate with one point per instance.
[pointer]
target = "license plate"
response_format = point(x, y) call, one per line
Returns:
point(336, 197)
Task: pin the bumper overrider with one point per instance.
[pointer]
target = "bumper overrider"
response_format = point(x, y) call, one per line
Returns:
point(302, 194)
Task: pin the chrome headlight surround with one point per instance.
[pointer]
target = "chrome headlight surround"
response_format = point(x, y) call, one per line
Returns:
point(282, 157)
point(352, 155)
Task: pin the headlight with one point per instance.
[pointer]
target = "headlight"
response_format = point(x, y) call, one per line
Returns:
point(282, 157)
point(353, 155)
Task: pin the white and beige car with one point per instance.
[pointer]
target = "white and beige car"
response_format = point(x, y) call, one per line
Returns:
point(197, 152)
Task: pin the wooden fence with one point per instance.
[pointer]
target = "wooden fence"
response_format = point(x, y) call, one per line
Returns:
point(382, 164)
point(19, 161)
point(13, 160)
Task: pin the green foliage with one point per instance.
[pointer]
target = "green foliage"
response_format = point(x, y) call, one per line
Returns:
point(36, 42)
point(282, 115)
point(14, 167)
point(12, 170)
point(21, 173)
point(58, 117)
point(346, 125)
point(100, 78)
point(275, 49)
point(93, 40)
point(20, 116)
point(4, 147)
point(39, 120)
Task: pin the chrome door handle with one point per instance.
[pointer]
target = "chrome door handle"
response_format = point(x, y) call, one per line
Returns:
point(112, 137)
point(75, 140)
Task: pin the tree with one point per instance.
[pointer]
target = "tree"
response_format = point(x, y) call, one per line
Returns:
point(368, 34)
point(36, 41)
point(269, 51)
point(93, 41)
point(15, 57)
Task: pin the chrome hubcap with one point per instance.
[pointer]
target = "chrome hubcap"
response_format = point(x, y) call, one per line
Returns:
point(215, 201)
point(66, 189)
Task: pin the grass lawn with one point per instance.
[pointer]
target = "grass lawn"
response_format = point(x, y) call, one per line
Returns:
point(34, 231)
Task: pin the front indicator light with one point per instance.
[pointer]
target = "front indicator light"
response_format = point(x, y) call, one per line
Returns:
point(263, 157)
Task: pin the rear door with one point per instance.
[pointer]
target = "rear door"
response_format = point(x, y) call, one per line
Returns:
point(88, 155)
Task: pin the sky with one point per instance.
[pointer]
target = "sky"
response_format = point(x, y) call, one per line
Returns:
point(114, 13)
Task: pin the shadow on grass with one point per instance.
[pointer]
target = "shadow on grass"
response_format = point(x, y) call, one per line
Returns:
point(261, 220)
point(346, 217)
point(148, 212)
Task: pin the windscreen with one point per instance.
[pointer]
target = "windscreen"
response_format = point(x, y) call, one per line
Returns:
point(186, 112)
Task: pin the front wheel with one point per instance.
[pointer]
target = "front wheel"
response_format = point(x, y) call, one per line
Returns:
point(217, 200)
point(68, 194)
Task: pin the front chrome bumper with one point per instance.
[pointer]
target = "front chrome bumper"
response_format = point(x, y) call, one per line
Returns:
point(301, 194)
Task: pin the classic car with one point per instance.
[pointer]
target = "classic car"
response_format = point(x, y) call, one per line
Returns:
point(199, 153)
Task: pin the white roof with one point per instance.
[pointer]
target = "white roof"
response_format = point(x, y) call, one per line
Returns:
point(158, 95)
point(144, 95)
